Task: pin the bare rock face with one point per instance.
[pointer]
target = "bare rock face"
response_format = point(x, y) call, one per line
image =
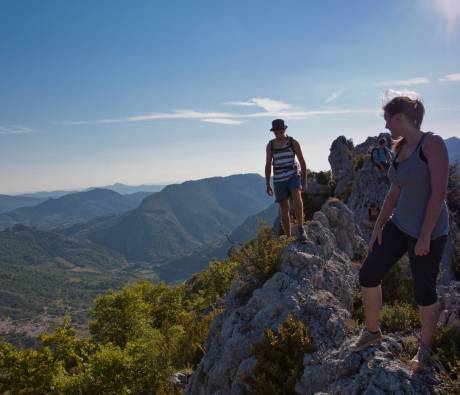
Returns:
point(369, 186)
point(449, 301)
point(339, 219)
point(373, 371)
point(447, 275)
point(315, 283)
point(341, 161)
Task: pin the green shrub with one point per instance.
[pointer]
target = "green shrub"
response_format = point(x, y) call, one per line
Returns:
point(258, 260)
point(358, 161)
point(279, 358)
point(450, 381)
point(447, 345)
point(27, 371)
point(358, 308)
point(456, 258)
point(210, 285)
point(447, 352)
point(323, 177)
point(399, 317)
point(397, 284)
point(453, 192)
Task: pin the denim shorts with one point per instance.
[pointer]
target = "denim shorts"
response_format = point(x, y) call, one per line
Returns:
point(283, 188)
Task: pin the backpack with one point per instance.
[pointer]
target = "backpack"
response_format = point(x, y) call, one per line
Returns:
point(290, 143)
point(374, 150)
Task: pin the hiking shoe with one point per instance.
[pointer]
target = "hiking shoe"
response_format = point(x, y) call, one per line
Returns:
point(422, 358)
point(302, 236)
point(366, 339)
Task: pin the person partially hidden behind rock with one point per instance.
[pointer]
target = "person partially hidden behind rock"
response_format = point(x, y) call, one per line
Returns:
point(373, 212)
point(413, 219)
point(287, 179)
point(381, 156)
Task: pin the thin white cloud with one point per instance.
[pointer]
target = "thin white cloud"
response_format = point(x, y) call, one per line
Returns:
point(241, 103)
point(178, 114)
point(408, 82)
point(223, 121)
point(265, 103)
point(299, 115)
point(271, 109)
point(450, 10)
point(451, 77)
point(334, 96)
point(15, 129)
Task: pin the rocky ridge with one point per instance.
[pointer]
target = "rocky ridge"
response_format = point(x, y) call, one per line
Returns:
point(315, 283)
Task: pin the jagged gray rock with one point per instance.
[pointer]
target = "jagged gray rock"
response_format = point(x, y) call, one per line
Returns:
point(372, 371)
point(339, 218)
point(341, 161)
point(369, 186)
point(315, 283)
point(447, 274)
point(449, 301)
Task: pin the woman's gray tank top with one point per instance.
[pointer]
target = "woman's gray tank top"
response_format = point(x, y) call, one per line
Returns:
point(413, 177)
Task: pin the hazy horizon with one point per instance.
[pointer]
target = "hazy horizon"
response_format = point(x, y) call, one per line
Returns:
point(148, 93)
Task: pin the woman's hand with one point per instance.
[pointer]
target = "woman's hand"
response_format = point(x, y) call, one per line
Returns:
point(422, 247)
point(376, 235)
point(269, 190)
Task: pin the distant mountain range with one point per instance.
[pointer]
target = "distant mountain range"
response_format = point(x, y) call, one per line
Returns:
point(453, 147)
point(72, 208)
point(45, 274)
point(117, 187)
point(180, 218)
point(127, 189)
point(182, 268)
point(9, 203)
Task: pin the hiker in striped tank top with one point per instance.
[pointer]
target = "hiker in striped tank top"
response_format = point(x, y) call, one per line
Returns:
point(288, 180)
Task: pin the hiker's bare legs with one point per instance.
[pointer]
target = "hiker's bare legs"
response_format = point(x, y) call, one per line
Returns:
point(285, 221)
point(428, 318)
point(372, 302)
point(298, 206)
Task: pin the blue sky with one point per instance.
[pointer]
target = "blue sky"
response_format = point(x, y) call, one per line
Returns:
point(93, 93)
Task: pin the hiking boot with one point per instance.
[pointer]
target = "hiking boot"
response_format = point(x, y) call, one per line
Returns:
point(366, 339)
point(422, 358)
point(301, 235)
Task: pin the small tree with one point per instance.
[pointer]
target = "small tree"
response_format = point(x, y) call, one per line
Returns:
point(279, 359)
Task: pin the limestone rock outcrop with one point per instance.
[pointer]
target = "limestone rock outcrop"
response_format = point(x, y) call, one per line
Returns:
point(315, 282)
point(369, 186)
point(341, 161)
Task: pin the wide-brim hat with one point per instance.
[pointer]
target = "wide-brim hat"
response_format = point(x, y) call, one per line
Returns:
point(278, 124)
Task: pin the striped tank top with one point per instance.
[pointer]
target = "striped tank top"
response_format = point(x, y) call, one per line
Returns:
point(284, 164)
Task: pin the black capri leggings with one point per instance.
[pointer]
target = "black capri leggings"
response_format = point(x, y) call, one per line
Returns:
point(395, 243)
